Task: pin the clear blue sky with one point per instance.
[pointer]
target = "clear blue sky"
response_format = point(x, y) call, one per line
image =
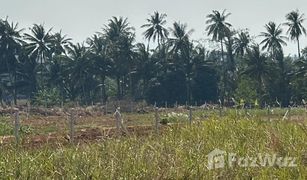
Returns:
point(81, 18)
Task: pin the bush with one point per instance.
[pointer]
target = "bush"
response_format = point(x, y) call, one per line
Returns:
point(47, 97)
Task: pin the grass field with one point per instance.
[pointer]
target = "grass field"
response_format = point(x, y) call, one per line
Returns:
point(178, 152)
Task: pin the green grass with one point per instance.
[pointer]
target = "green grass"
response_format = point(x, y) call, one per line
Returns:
point(179, 153)
point(6, 127)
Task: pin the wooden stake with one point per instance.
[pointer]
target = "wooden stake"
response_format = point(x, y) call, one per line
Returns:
point(157, 120)
point(190, 115)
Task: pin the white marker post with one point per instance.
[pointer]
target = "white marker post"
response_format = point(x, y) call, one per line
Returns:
point(285, 116)
point(119, 121)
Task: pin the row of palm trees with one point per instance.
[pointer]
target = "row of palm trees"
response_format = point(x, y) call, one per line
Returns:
point(273, 42)
point(178, 70)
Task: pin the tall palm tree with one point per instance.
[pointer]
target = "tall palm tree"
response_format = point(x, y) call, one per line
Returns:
point(273, 39)
point(257, 67)
point(10, 48)
point(296, 29)
point(229, 43)
point(182, 49)
point(119, 37)
point(144, 66)
point(78, 71)
point(218, 27)
point(156, 29)
point(102, 64)
point(38, 46)
point(59, 48)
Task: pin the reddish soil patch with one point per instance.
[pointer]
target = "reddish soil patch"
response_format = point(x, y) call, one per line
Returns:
point(81, 136)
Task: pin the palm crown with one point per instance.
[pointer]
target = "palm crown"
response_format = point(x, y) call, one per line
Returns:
point(273, 38)
point(295, 27)
point(217, 25)
point(156, 29)
point(39, 42)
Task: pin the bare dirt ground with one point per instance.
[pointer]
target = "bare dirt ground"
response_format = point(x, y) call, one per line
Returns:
point(38, 130)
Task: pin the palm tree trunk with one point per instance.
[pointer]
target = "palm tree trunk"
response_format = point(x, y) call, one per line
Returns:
point(160, 54)
point(223, 72)
point(131, 85)
point(15, 89)
point(188, 91)
point(298, 47)
point(148, 45)
point(222, 51)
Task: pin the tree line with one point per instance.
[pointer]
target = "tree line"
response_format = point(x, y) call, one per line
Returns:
point(46, 66)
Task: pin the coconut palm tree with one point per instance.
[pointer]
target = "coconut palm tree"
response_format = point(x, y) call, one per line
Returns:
point(78, 72)
point(257, 66)
point(156, 29)
point(180, 37)
point(58, 50)
point(295, 27)
point(273, 39)
point(10, 47)
point(119, 36)
point(182, 50)
point(145, 67)
point(102, 65)
point(218, 27)
point(273, 42)
point(241, 43)
point(39, 45)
